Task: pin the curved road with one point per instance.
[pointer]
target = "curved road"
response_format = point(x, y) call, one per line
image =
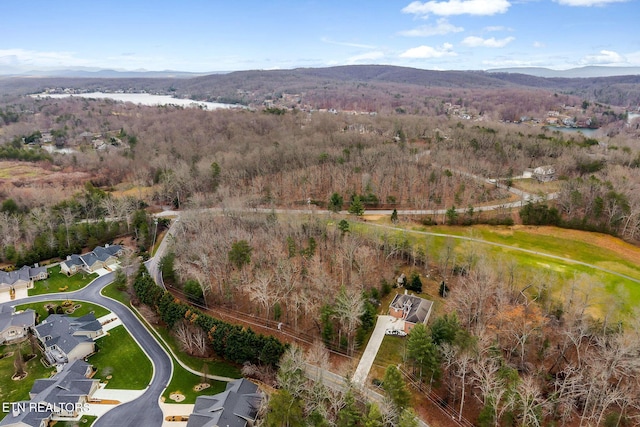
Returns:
point(145, 410)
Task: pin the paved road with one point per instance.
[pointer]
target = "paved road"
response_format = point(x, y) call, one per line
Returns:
point(145, 410)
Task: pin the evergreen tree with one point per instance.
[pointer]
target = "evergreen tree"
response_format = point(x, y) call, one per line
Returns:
point(407, 419)
point(335, 203)
point(423, 353)
point(395, 388)
point(394, 216)
point(284, 410)
point(356, 208)
point(374, 417)
point(349, 415)
point(240, 253)
point(415, 284)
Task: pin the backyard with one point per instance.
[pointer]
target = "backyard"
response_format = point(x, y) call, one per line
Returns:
point(15, 391)
point(59, 282)
point(120, 362)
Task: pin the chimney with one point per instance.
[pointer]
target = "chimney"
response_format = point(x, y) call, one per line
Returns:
point(68, 257)
point(36, 265)
point(406, 292)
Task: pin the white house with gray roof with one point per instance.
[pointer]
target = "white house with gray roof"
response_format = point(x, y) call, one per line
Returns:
point(15, 326)
point(15, 284)
point(101, 257)
point(65, 339)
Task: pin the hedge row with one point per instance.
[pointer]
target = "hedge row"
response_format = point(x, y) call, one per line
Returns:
point(233, 343)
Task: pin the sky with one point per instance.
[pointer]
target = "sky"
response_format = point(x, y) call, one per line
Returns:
point(230, 35)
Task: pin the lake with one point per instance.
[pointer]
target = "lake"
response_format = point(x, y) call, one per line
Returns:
point(143, 99)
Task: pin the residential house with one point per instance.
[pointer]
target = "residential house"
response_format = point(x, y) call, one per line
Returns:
point(15, 326)
point(65, 339)
point(101, 257)
point(60, 397)
point(411, 310)
point(237, 406)
point(15, 284)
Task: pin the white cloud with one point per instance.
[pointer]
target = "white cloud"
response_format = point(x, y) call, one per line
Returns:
point(604, 57)
point(473, 41)
point(496, 28)
point(458, 7)
point(365, 57)
point(588, 3)
point(348, 44)
point(32, 57)
point(425, 52)
point(539, 45)
point(441, 28)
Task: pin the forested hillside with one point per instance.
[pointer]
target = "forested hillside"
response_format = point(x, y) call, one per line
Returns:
point(507, 346)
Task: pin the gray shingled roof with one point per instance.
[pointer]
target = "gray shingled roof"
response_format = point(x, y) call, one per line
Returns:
point(24, 319)
point(68, 386)
point(62, 330)
point(74, 260)
point(11, 277)
point(234, 407)
point(416, 309)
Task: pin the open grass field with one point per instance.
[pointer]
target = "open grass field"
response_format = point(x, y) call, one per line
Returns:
point(121, 362)
point(85, 308)
point(534, 186)
point(58, 282)
point(184, 382)
point(559, 256)
point(14, 391)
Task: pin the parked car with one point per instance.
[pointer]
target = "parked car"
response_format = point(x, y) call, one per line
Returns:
point(395, 332)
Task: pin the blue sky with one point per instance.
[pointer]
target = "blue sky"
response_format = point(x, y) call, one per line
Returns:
point(215, 35)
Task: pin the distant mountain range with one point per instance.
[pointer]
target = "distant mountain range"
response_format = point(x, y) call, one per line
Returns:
point(350, 82)
point(83, 72)
point(582, 72)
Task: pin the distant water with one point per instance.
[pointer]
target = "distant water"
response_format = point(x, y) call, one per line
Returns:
point(143, 99)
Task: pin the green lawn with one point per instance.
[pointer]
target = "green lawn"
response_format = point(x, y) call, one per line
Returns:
point(112, 291)
point(85, 421)
point(556, 274)
point(121, 362)
point(58, 281)
point(14, 391)
point(85, 308)
point(391, 352)
point(183, 382)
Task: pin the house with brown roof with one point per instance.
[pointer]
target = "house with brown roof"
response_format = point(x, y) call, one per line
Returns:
point(410, 309)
